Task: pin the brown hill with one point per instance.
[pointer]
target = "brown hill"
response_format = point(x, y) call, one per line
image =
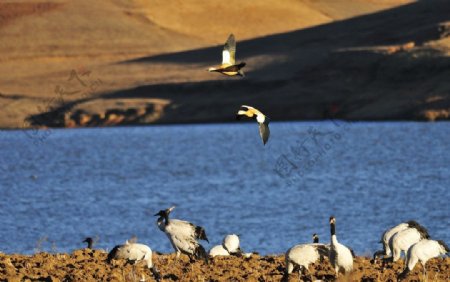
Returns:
point(145, 61)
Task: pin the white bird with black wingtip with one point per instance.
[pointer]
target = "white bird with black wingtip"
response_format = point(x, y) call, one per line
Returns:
point(303, 255)
point(387, 235)
point(423, 251)
point(263, 120)
point(403, 240)
point(183, 235)
point(230, 246)
point(134, 252)
point(386, 252)
point(341, 257)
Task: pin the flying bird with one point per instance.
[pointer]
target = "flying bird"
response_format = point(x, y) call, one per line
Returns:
point(183, 235)
point(262, 120)
point(229, 66)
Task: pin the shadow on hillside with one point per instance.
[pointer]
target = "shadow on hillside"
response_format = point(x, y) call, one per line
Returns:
point(330, 70)
point(417, 22)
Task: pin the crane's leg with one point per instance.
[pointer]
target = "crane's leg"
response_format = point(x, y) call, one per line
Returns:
point(424, 271)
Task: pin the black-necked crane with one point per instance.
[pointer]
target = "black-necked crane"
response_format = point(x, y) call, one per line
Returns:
point(403, 240)
point(231, 244)
point(303, 255)
point(89, 241)
point(421, 252)
point(387, 235)
point(341, 257)
point(183, 235)
point(134, 252)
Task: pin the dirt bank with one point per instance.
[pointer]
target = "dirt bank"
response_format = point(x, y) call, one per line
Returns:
point(88, 265)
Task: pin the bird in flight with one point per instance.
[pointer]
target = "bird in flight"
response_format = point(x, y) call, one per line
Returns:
point(229, 66)
point(262, 120)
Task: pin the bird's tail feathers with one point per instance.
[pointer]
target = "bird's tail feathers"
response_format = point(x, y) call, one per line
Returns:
point(445, 246)
point(112, 254)
point(422, 230)
point(200, 253)
point(200, 233)
point(237, 253)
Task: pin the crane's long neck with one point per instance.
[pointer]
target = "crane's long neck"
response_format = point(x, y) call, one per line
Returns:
point(333, 233)
point(163, 221)
point(165, 216)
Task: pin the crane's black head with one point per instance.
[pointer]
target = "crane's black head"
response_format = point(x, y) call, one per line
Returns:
point(332, 220)
point(315, 238)
point(89, 241)
point(160, 213)
point(164, 213)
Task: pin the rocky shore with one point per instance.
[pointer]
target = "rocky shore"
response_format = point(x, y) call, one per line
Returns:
point(91, 265)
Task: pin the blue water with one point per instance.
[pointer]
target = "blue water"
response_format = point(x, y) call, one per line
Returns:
point(59, 186)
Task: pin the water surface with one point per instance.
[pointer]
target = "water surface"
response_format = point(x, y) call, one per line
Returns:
point(58, 186)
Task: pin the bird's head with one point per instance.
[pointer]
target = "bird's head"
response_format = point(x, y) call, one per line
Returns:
point(315, 238)
point(165, 212)
point(88, 240)
point(332, 220)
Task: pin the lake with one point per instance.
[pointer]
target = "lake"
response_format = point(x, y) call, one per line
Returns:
point(61, 185)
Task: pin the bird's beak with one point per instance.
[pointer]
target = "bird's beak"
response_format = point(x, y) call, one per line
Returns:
point(171, 209)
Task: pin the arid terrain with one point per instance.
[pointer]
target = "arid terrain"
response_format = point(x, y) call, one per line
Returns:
point(98, 63)
point(88, 265)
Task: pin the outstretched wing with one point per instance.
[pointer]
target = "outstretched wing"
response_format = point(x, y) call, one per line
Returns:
point(264, 132)
point(229, 51)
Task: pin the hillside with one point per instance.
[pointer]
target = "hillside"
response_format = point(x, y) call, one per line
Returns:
point(84, 63)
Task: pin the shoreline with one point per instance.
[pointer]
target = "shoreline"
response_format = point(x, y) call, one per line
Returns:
point(226, 122)
point(91, 265)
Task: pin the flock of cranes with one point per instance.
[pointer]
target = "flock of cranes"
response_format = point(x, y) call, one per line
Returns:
point(413, 240)
point(410, 237)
